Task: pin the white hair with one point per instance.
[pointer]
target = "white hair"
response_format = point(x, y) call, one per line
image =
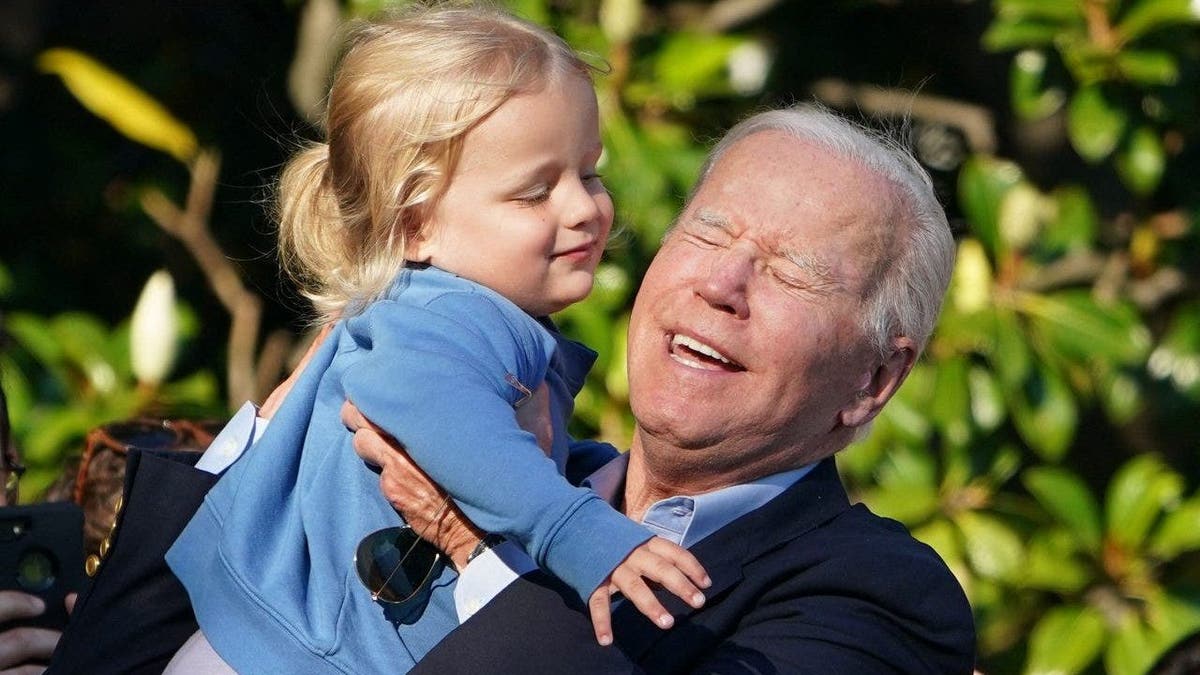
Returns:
point(907, 299)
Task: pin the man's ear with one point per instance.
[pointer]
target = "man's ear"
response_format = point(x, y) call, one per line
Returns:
point(881, 384)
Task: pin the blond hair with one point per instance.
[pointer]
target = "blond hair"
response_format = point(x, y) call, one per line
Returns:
point(406, 91)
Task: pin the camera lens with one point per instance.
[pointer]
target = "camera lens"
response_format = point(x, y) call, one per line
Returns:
point(35, 570)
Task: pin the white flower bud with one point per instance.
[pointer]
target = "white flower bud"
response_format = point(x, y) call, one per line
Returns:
point(154, 335)
point(748, 65)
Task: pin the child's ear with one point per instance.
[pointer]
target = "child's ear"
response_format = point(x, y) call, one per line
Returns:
point(420, 247)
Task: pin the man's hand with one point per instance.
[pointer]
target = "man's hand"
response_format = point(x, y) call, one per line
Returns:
point(25, 644)
point(411, 492)
point(657, 560)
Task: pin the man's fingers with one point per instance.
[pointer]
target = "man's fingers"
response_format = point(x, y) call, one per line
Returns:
point(18, 605)
point(600, 610)
point(19, 645)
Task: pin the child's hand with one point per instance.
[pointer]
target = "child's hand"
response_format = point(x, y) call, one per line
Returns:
point(660, 561)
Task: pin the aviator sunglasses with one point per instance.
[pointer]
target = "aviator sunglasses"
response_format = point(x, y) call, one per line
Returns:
point(396, 563)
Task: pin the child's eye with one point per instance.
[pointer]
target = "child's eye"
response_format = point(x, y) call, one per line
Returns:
point(535, 197)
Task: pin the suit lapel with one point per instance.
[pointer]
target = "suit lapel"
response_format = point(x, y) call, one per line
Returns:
point(813, 500)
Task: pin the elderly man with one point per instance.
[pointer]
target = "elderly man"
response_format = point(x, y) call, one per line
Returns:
point(786, 306)
point(784, 309)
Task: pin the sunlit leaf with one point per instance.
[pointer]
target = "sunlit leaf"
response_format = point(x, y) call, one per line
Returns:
point(1084, 329)
point(1142, 161)
point(1177, 358)
point(1137, 495)
point(993, 548)
point(950, 409)
point(982, 184)
point(907, 485)
point(690, 64)
point(1074, 223)
point(1065, 496)
point(1021, 214)
point(117, 101)
point(1026, 82)
point(1178, 532)
point(1065, 640)
point(1045, 413)
point(1121, 395)
point(1094, 123)
point(1129, 650)
point(1011, 356)
point(1147, 15)
point(1062, 11)
point(1148, 68)
point(1053, 563)
point(620, 19)
point(987, 400)
point(1005, 34)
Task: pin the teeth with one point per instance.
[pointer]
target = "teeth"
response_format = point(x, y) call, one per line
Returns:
point(696, 346)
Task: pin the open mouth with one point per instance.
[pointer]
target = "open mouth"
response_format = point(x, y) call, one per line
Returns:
point(692, 352)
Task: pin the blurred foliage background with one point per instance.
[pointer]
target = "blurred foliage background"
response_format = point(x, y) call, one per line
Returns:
point(1046, 445)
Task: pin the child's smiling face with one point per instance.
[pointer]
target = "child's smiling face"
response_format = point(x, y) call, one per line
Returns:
point(525, 212)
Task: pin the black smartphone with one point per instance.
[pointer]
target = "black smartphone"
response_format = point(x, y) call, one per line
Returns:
point(41, 553)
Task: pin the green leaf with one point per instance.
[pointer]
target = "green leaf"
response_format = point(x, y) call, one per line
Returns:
point(1148, 15)
point(1148, 68)
point(1121, 395)
point(1065, 640)
point(1094, 123)
point(1129, 649)
point(1139, 492)
point(1045, 413)
point(951, 400)
point(1053, 563)
point(1076, 325)
point(987, 400)
point(982, 183)
point(1062, 11)
point(6, 281)
point(1011, 357)
point(693, 64)
point(1006, 34)
point(1179, 531)
point(1075, 221)
point(907, 485)
point(1065, 496)
point(1031, 100)
point(993, 548)
point(1177, 358)
point(1142, 161)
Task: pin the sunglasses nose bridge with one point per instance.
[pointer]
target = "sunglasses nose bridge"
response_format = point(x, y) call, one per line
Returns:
point(395, 565)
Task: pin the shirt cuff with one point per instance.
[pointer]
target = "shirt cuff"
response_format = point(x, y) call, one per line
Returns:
point(488, 574)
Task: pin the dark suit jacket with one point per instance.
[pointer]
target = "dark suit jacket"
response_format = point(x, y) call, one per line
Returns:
point(136, 614)
point(805, 584)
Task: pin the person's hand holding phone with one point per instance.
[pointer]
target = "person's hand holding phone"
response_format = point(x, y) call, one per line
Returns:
point(26, 649)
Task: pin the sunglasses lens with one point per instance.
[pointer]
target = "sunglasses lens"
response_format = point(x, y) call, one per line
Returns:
point(394, 563)
point(143, 435)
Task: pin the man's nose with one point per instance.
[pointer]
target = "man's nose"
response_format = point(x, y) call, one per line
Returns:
point(724, 287)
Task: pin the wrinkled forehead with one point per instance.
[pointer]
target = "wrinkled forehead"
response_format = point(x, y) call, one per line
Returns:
point(796, 196)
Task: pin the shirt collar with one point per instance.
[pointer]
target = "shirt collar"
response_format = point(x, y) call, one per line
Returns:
point(687, 519)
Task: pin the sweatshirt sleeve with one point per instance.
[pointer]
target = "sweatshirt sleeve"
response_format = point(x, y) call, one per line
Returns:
point(436, 376)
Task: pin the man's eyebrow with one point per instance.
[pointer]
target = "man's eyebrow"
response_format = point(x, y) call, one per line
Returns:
point(710, 218)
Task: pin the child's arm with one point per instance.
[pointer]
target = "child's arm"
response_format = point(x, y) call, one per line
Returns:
point(434, 377)
point(419, 500)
